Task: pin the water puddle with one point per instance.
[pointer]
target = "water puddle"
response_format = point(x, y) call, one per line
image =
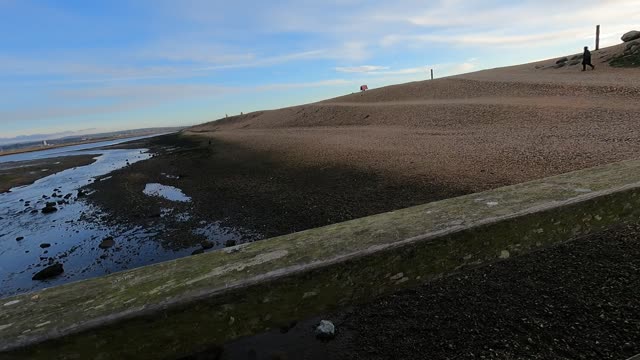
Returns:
point(164, 191)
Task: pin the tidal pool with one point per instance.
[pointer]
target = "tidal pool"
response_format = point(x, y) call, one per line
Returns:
point(164, 191)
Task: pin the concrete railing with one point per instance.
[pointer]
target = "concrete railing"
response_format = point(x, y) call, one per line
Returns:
point(182, 306)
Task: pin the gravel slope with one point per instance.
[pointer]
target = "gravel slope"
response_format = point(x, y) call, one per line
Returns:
point(475, 131)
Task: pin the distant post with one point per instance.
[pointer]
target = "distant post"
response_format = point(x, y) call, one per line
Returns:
point(598, 37)
point(431, 74)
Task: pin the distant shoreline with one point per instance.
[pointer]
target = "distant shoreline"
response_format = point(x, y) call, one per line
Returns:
point(40, 148)
point(74, 143)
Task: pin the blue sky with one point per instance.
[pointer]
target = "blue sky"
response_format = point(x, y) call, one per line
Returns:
point(113, 64)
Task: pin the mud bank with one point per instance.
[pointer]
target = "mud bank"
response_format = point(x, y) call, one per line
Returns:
point(13, 174)
point(244, 189)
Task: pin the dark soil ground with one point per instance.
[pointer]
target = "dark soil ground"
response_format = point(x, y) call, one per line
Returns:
point(21, 173)
point(577, 300)
point(249, 190)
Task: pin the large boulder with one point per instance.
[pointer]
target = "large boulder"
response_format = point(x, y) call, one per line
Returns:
point(631, 35)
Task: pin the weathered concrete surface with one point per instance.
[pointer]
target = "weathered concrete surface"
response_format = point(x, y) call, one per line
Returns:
point(181, 306)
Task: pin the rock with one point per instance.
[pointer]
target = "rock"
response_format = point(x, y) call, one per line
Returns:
point(49, 272)
point(49, 209)
point(563, 60)
point(325, 330)
point(574, 62)
point(51, 204)
point(67, 196)
point(80, 193)
point(197, 251)
point(206, 245)
point(628, 348)
point(107, 243)
point(230, 243)
point(20, 238)
point(45, 245)
point(631, 35)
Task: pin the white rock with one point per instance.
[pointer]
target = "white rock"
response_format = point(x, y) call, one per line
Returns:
point(326, 330)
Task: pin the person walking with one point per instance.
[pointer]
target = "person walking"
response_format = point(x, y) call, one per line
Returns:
point(586, 59)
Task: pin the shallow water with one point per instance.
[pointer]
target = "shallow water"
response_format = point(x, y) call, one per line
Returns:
point(64, 151)
point(165, 191)
point(76, 229)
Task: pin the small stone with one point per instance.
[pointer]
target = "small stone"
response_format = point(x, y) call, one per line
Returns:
point(49, 210)
point(20, 238)
point(206, 245)
point(628, 347)
point(107, 243)
point(325, 330)
point(51, 207)
point(45, 245)
point(49, 272)
point(197, 251)
point(504, 254)
point(562, 60)
point(230, 243)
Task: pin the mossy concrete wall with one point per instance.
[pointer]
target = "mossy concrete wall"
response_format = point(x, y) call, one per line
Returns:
point(179, 307)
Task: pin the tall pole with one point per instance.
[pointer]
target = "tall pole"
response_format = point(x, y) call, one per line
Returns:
point(598, 37)
point(431, 74)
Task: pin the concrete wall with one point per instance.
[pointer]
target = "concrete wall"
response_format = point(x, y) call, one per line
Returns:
point(182, 306)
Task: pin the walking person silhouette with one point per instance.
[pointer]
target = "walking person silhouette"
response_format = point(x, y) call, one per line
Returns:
point(586, 59)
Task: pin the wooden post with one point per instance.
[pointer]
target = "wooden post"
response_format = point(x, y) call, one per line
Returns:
point(598, 37)
point(431, 74)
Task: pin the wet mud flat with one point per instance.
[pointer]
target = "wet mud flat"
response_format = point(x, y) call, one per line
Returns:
point(20, 173)
point(577, 300)
point(50, 235)
point(252, 192)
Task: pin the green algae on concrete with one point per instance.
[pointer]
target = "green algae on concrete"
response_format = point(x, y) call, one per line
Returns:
point(182, 306)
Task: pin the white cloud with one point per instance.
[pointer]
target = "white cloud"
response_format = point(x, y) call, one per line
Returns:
point(360, 69)
point(443, 69)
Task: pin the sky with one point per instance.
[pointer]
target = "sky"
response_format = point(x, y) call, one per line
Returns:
point(103, 65)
